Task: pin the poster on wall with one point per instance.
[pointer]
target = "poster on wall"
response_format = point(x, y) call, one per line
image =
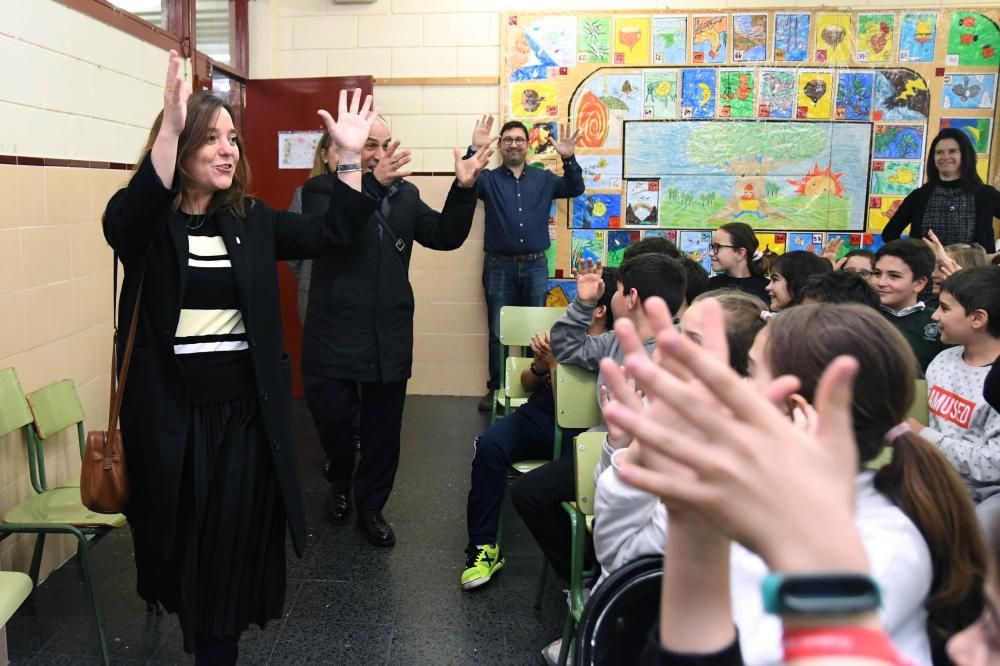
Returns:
point(296, 150)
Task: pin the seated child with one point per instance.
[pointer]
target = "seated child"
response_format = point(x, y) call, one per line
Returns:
point(902, 270)
point(962, 423)
point(525, 434)
point(538, 494)
point(788, 272)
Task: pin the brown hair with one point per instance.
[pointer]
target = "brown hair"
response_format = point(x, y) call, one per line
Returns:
point(202, 108)
point(919, 479)
point(319, 166)
point(741, 235)
point(967, 256)
point(741, 312)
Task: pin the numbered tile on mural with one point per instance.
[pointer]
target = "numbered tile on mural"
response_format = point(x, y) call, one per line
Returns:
point(596, 211)
point(979, 130)
point(799, 241)
point(660, 93)
point(777, 95)
point(791, 37)
point(709, 39)
point(973, 39)
point(900, 94)
point(618, 242)
point(899, 177)
point(601, 172)
point(695, 244)
point(833, 38)
point(854, 95)
point(749, 37)
point(898, 142)
point(737, 93)
point(698, 93)
point(969, 91)
point(588, 245)
point(917, 37)
point(669, 40)
point(881, 208)
point(876, 37)
point(593, 40)
point(642, 202)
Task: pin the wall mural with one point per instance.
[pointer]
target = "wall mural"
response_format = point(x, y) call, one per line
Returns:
point(804, 124)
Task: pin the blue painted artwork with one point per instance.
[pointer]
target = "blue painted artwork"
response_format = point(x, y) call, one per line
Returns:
point(694, 244)
point(804, 241)
point(587, 244)
point(791, 37)
point(917, 35)
point(596, 211)
point(898, 142)
point(901, 94)
point(669, 40)
point(698, 93)
point(854, 96)
point(546, 42)
point(749, 37)
point(969, 91)
point(560, 293)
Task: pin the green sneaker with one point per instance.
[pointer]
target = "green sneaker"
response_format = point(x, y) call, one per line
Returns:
point(482, 563)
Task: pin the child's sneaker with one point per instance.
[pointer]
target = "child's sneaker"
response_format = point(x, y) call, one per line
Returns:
point(483, 562)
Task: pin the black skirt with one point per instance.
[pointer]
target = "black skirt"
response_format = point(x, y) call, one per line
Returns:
point(227, 568)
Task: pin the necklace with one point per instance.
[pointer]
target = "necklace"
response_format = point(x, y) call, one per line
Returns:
point(195, 221)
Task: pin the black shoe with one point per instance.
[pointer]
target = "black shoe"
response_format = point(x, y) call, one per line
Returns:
point(375, 529)
point(338, 504)
point(486, 402)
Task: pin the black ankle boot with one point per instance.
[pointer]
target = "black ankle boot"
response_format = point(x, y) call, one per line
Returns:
point(375, 529)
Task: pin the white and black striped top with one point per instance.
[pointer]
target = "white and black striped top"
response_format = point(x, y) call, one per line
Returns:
point(211, 340)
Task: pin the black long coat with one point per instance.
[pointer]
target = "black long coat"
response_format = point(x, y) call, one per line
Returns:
point(156, 407)
point(359, 324)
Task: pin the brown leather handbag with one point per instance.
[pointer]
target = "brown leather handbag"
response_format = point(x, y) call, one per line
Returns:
point(104, 476)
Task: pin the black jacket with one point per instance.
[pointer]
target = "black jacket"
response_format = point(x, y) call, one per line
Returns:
point(155, 412)
point(359, 324)
point(911, 212)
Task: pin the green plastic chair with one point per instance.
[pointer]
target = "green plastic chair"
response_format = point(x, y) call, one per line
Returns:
point(517, 325)
point(587, 453)
point(14, 589)
point(576, 407)
point(51, 511)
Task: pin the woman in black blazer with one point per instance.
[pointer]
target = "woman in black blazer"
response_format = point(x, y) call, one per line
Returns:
point(206, 418)
point(954, 202)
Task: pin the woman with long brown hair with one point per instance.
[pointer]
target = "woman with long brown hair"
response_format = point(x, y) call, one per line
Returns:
point(206, 416)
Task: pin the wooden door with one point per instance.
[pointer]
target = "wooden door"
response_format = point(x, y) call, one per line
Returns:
point(283, 105)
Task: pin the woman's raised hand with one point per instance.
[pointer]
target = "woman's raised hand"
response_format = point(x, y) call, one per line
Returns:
point(353, 125)
point(175, 97)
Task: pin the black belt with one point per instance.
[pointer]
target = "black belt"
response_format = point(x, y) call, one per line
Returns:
point(531, 256)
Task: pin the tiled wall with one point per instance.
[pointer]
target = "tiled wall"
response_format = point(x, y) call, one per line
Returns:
point(70, 89)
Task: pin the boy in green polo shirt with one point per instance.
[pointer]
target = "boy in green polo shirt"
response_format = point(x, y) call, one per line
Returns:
point(902, 269)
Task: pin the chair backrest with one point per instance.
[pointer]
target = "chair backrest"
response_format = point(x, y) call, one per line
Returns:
point(14, 410)
point(586, 454)
point(576, 398)
point(55, 408)
point(618, 616)
point(519, 323)
point(919, 409)
point(513, 388)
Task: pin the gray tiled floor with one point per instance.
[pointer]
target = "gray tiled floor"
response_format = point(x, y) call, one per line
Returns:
point(348, 603)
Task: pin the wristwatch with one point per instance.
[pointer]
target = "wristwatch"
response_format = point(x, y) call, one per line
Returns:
point(344, 168)
point(824, 593)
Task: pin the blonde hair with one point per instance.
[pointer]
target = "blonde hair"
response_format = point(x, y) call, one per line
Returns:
point(321, 167)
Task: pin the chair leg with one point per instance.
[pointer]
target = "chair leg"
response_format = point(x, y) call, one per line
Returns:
point(36, 558)
point(84, 551)
point(569, 632)
point(541, 582)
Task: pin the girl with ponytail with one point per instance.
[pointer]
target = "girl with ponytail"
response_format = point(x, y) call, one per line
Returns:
point(737, 261)
point(919, 481)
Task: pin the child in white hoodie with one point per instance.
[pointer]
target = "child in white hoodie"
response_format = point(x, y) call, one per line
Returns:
point(917, 526)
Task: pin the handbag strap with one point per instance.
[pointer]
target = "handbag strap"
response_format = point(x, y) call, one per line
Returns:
point(118, 382)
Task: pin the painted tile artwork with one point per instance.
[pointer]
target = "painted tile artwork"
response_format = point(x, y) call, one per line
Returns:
point(776, 175)
point(791, 37)
point(710, 39)
point(749, 37)
point(917, 37)
point(669, 40)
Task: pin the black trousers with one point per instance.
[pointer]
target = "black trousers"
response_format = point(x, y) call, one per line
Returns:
point(538, 497)
point(334, 403)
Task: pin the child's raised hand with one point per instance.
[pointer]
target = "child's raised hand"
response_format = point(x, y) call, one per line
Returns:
point(589, 283)
point(722, 440)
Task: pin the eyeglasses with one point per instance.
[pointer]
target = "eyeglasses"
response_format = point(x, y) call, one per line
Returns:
point(715, 247)
point(865, 274)
point(517, 140)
